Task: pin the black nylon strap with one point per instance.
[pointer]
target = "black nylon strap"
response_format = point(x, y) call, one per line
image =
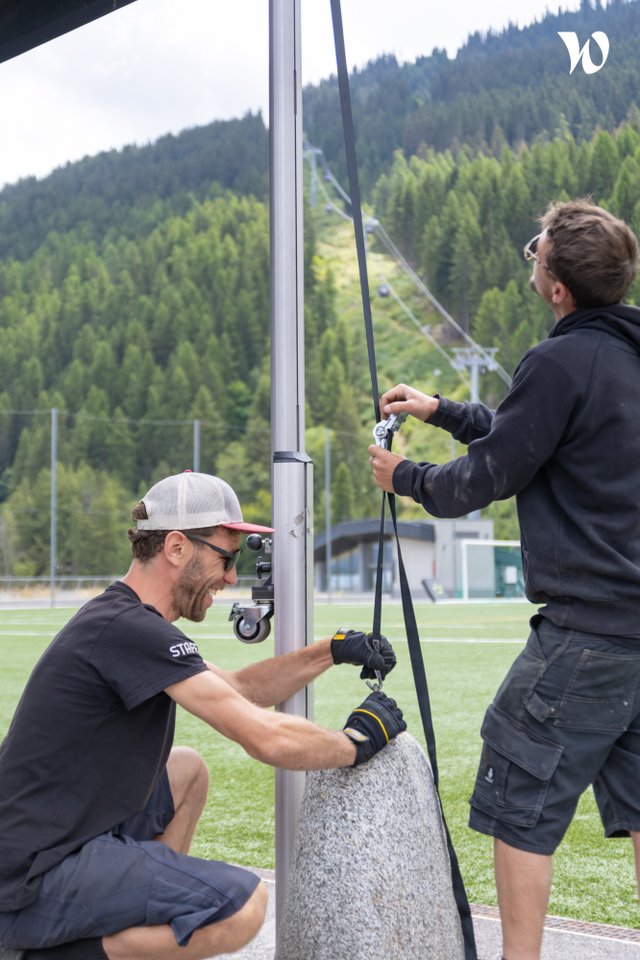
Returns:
point(354, 189)
point(413, 638)
point(422, 694)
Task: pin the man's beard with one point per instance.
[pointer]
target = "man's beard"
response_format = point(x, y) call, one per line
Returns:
point(191, 591)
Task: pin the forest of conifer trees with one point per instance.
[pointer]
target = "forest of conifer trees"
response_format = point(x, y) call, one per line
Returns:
point(134, 291)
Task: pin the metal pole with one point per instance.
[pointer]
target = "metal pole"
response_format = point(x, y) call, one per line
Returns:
point(477, 360)
point(53, 514)
point(465, 571)
point(292, 468)
point(327, 507)
point(196, 446)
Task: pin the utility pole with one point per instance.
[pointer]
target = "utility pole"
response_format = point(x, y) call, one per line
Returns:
point(53, 512)
point(476, 360)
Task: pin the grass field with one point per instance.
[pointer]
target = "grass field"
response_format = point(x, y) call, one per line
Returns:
point(467, 649)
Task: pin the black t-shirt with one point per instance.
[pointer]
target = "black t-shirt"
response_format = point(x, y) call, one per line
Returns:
point(90, 736)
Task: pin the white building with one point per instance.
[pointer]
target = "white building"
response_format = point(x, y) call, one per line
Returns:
point(431, 550)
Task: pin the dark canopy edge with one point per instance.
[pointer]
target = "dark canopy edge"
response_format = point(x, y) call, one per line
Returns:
point(25, 24)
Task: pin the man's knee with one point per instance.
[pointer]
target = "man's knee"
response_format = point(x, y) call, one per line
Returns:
point(243, 926)
point(188, 773)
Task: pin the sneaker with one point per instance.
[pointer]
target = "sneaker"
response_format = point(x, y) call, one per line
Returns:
point(8, 953)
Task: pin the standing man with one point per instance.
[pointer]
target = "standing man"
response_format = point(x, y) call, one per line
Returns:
point(97, 811)
point(565, 441)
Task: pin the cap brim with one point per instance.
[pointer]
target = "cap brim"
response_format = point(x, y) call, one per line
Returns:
point(248, 527)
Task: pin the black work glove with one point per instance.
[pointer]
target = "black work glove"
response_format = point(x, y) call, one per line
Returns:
point(373, 724)
point(353, 646)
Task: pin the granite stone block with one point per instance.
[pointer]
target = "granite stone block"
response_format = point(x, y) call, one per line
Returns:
point(371, 876)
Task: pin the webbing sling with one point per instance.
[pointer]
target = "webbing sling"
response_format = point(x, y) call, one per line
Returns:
point(413, 638)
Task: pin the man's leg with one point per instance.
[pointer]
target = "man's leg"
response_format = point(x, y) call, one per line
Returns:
point(523, 882)
point(189, 782)
point(153, 898)
point(159, 943)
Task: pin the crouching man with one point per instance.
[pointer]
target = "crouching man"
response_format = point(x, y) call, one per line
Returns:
point(97, 810)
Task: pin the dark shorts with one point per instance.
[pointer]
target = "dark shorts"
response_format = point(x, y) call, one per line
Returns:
point(124, 879)
point(567, 716)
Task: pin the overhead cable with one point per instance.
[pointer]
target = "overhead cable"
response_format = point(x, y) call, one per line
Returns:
point(375, 227)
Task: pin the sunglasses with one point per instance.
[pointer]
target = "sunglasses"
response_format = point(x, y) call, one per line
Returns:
point(230, 559)
point(530, 253)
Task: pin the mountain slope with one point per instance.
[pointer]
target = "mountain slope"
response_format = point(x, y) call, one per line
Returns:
point(129, 191)
point(501, 88)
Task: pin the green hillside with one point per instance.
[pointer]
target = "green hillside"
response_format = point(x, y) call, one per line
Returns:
point(463, 222)
point(134, 300)
point(132, 339)
point(501, 88)
point(125, 193)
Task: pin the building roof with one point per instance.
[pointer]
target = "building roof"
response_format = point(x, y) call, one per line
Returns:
point(349, 533)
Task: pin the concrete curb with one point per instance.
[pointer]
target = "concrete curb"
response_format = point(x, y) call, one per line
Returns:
point(564, 939)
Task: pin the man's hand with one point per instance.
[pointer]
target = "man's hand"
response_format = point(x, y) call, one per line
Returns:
point(404, 399)
point(352, 646)
point(373, 724)
point(383, 463)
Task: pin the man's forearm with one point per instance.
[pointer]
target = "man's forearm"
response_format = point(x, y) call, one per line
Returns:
point(293, 743)
point(446, 490)
point(279, 739)
point(464, 421)
point(275, 680)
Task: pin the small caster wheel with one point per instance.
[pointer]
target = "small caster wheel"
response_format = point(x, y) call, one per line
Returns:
point(250, 632)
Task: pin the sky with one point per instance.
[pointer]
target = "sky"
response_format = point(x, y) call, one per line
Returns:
point(160, 66)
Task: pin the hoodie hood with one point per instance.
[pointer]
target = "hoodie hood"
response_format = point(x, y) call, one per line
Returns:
point(618, 319)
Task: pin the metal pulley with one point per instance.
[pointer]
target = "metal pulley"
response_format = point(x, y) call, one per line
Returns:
point(384, 430)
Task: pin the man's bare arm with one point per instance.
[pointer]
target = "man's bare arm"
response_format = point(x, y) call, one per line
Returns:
point(273, 681)
point(278, 739)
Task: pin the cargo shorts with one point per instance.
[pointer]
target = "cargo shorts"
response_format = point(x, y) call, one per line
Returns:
point(566, 717)
point(123, 879)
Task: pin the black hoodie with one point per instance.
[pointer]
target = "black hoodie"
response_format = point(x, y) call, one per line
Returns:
point(566, 441)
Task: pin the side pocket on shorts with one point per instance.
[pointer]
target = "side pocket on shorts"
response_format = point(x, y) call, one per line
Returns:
point(601, 692)
point(515, 770)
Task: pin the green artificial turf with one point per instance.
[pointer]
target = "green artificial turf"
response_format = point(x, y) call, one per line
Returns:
point(467, 650)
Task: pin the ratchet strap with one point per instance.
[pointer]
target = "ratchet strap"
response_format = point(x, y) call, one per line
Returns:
point(413, 638)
